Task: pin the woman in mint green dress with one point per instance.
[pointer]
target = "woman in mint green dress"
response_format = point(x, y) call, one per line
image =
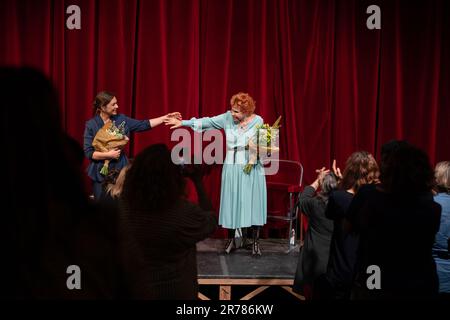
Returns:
point(243, 197)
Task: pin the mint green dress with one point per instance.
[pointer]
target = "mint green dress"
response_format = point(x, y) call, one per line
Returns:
point(243, 197)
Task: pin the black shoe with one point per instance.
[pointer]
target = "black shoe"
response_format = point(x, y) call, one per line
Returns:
point(247, 244)
point(230, 246)
point(256, 252)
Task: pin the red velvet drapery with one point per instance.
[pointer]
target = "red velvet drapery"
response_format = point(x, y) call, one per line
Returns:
point(339, 86)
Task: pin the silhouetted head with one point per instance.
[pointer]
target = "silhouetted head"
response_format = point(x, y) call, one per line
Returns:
point(44, 193)
point(153, 183)
point(389, 147)
point(406, 169)
point(41, 157)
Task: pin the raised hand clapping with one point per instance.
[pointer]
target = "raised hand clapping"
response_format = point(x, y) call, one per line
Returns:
point(336, 170)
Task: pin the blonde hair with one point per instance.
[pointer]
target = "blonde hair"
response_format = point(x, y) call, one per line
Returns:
point(115, 189)
point(244, 102)
point(442, 175)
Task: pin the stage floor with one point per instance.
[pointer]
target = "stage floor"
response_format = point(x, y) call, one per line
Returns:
point(274, 263)
point(275, 267)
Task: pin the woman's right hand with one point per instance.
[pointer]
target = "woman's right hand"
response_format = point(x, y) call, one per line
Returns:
point(173, 122)
point(114, 154)
point(321, 173)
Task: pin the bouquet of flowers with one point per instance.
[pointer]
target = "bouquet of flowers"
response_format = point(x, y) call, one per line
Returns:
point(110, 137)
point(265, 141)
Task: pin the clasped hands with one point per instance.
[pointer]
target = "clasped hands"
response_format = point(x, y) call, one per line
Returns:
point(173, 119)
point(321, 173)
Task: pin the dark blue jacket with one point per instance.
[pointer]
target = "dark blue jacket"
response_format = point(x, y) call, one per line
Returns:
point(93, 126)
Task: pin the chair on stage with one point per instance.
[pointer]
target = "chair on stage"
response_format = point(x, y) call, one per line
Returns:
point(283, 189)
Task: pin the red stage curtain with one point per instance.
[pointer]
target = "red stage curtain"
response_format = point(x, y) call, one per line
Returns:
point(339, 86)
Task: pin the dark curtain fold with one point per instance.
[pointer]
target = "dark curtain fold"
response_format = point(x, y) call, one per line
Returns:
point(339, 86)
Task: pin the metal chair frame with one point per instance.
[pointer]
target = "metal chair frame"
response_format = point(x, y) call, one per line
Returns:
point(292, 214)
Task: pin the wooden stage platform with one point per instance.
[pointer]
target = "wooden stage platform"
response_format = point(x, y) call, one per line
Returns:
point(274, 268)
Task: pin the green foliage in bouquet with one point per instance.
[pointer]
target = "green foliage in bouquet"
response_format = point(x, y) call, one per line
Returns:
point(119, 131)
point(265, 134)
point(105, 169)
point(109, 137)
point(248, 168)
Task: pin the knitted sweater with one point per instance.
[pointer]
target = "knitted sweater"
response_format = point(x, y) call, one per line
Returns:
point(160, 250)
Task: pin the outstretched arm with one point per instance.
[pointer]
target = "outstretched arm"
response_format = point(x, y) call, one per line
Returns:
point(202, 124)
point(144, 125)
point(160, 120)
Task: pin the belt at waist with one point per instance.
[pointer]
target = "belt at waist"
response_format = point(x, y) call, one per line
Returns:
point(235, 149)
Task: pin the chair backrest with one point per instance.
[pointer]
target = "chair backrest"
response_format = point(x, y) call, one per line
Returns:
point(289, 172)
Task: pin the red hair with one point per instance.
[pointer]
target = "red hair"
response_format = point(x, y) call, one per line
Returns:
point(244, 102)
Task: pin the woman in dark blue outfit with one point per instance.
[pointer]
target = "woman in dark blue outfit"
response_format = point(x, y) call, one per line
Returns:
point(361, 168)
point(105, 109)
